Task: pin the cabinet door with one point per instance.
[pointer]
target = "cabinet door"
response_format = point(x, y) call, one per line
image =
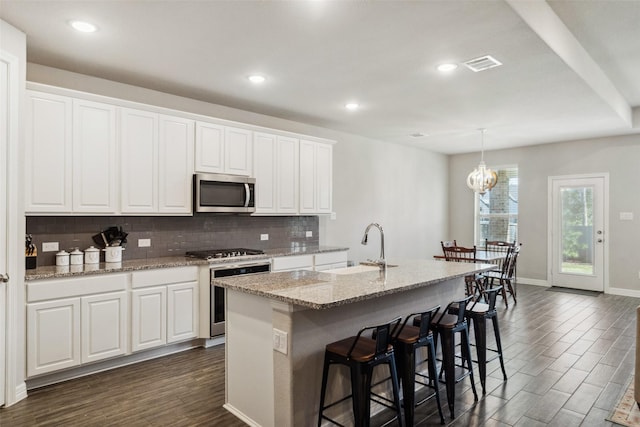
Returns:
point(307, 177)
point(94, 157)
point(287, 175)
point(48, 154)
point(148, 318)
point(104, 330)
point(175, 165)
point(237, 151)
point(182, 311)
point(316, 177)
point(264, 171)
point(53, 335)
point(324, 178)
point(139, 161)
point(209, 155)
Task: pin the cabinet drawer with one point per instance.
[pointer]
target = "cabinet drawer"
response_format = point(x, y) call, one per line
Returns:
point(331, 258)
point(292, 263)
point(63, 288)
point(163, 276)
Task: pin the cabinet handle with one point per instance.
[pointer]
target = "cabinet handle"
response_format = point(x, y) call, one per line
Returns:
point(4, 278)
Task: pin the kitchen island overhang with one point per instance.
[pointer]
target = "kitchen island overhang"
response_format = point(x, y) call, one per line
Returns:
point(299, 313)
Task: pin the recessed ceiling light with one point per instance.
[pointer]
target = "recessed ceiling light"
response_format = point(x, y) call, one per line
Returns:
point(352, 106)
point(445, 68)
point(418, 135)
point(257, 78)
point(83, 27)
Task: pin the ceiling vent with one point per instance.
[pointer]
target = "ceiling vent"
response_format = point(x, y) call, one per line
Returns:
point(482, 63)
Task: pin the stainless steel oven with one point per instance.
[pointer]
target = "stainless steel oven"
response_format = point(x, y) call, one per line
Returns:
point(217, 293)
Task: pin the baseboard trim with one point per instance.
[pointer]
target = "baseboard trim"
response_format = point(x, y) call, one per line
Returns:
point(534, 282)
point(240, 415)
point(624, 292)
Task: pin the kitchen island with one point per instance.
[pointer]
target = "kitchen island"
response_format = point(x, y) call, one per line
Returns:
point(278, 325)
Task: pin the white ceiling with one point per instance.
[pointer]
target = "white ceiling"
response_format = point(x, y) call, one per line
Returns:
point(318, 55)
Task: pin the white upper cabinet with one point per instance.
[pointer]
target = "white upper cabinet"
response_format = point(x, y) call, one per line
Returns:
point(209, 148)
point(264, 171)
point(223, 149)
point(275, 167)
point(237, 151)
point(48, 153)
point(139, 160)
point(175, 165)
point(94, 157)
point(156, 158)
point(287, 174)
point(316, 177)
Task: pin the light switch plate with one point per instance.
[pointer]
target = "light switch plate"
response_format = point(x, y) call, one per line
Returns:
point(50, 247)
point(309, 234)
point(626, 216)
point(280, 341)
point(264, 237)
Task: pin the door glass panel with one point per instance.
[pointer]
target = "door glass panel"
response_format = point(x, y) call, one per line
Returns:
point(577, 230)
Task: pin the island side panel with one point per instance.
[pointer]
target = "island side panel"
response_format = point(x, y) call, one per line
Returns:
point(249, 373)
point(311, 330)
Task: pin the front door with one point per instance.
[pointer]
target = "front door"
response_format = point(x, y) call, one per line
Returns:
point(577, 225)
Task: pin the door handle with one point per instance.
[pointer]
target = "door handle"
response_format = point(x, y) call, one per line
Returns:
point(4, 278)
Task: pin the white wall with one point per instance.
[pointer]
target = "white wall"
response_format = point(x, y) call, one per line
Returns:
point(619, 156)
point(14, 55)
point(402, 188)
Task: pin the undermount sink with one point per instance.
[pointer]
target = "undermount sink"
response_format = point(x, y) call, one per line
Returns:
point(362, 268)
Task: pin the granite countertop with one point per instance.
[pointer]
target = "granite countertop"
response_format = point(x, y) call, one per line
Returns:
point(54, 272)
point(321, 290)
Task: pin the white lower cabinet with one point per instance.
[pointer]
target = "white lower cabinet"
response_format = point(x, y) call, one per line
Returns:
point(317, 262)
point(53, 336)
point(330, 260)
point(148, 318)
point(75, 321)
point(104, 326)
point(164, 307)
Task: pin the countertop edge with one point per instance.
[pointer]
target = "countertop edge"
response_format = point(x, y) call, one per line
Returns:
point(54, 272)
point(322, 306)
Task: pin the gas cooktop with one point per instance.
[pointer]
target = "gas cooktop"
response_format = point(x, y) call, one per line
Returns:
point(223, 253)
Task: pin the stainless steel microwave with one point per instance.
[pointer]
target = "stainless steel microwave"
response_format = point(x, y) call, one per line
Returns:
point(224, 193)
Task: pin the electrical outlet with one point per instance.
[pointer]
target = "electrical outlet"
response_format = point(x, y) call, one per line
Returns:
point(144, 243)
point(333, 215)
point(264, 237)
point(50, 247)
point(309, 234)
point(280, 341)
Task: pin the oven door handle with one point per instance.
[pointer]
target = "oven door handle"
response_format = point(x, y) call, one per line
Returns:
point(230, 266)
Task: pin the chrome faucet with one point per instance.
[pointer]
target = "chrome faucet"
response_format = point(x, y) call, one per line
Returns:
point(382, 263)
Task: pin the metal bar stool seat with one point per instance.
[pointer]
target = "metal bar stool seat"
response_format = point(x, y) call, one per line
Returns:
point(362, 355)
point(407, 342)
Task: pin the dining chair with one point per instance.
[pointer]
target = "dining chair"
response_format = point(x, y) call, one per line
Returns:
point(463, 254)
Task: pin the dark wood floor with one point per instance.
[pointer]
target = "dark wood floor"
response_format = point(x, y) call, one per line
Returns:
point(569, 357)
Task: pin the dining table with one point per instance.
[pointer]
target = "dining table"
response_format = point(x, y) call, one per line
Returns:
point(483, 256)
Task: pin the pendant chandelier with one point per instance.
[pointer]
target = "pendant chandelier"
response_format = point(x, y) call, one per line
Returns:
point(482, 179)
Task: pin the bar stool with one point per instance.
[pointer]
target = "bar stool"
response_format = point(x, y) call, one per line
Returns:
point(361, 355)
point(407, 342)
point(447, 325)
point(479, 313)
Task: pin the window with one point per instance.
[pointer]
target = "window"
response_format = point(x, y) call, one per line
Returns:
point(497, 210)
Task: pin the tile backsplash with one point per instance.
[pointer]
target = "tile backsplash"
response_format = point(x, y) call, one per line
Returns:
point(173, 236)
